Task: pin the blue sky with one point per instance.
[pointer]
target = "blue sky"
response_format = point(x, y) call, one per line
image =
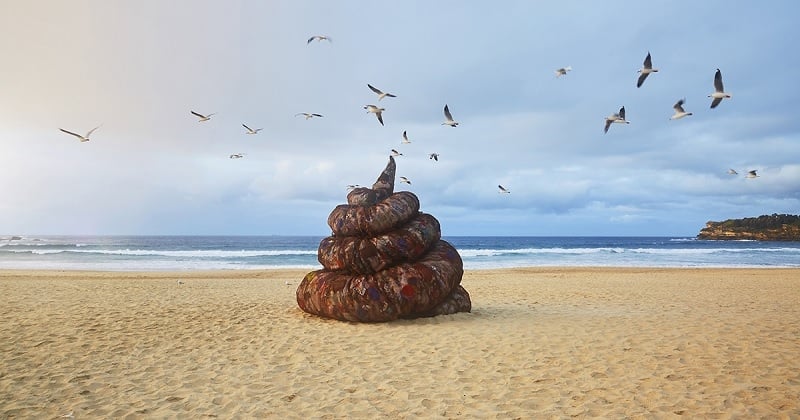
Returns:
point(138, 68)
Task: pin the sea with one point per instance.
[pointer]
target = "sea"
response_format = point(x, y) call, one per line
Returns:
point(179, 253)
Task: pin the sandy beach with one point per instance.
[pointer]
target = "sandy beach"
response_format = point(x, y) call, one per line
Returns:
point(539, 343)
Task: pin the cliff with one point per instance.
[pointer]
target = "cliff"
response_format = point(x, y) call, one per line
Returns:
point(775, 227)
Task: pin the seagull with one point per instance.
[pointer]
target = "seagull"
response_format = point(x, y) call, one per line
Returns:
point(618, 117)
point(69, 415)
point(319, 38)
point(375, 110)
point(179, 282)
point(380, 93)
point(679, 112)
point(503, 190)
point(404, 179)
point(646, 69)
point(237, 156)
point(307, 115)
point(202, 117)
point(353, 186)
point(405, 138)
point(395, 153)
point(449, 117)
point(563, 71)
point(752, 174)
point(250, 130)
point(80, 137)
point(719, 92)
point(732, 172)
point(434, 156)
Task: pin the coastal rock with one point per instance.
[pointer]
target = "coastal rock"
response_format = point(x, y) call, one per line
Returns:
point(775, 227)
point(385, 260)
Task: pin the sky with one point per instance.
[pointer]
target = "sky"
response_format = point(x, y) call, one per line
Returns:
point(137, 69)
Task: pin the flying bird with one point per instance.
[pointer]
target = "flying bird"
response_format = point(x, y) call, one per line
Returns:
point(405, 138)
point(732, 172)
point(250, 130)
point(80, 137)
point(202, 117)
point(307, 115)
point(618, 117)
point(752, 174)
point(380, 93)
point(395, 153)
point(377, 111)
point(319, 38)
point(449, 117)
point(679, 111)
point(503, 190)
point(645, 71)
point(353, 186)
point(237, 156)
point(563, 71)
point(719, 92)
point(404, 179)
point(434, 156)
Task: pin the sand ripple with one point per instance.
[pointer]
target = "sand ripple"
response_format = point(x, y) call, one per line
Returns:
point(540, 343)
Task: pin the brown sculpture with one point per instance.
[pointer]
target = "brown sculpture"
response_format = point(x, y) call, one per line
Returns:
point(385, 260)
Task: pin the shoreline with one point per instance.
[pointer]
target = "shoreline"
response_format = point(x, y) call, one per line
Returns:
point(539, 342)
point(248, 271)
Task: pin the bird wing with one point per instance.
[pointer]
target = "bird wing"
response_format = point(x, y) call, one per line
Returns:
point(715, 102)
point(374, 89)
point(310, 39)
point(501, 188)
point(380, 117)
point(198, 115)
point(718, 81)
point(316, 115)
point(678, 107)
point(390, 95)
point(608, 124)
point(641, 79)
point(248, 128)
point(622, 113)
point(91, 131)
point(648, 63)
point(753, 172)
point(71, 133)
point(405, 137)
point(447, 113)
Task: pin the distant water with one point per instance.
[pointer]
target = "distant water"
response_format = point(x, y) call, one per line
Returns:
point(152, 253)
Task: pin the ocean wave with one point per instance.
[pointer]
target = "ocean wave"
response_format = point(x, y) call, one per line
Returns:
point(488, 252)
point(215, 253)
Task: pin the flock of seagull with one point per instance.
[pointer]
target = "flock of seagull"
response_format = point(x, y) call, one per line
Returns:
point(616, 118)
point(647, 69)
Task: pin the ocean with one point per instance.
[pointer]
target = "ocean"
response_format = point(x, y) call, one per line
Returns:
point(178, 253)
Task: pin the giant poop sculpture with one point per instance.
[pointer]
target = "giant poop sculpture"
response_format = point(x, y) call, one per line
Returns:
point(385, 260)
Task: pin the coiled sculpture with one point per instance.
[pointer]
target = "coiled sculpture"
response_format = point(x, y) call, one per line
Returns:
point(385, 260)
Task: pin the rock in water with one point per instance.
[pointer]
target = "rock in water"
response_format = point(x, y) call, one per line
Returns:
point(385, 260)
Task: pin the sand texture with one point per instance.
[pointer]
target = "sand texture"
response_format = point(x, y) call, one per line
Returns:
point(539, 343)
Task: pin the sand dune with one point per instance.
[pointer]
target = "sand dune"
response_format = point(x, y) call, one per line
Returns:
point(539, 343)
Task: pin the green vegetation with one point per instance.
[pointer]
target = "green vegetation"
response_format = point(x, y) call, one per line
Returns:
point(774, 227)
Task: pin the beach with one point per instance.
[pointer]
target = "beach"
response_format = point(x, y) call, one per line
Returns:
point(539, 343)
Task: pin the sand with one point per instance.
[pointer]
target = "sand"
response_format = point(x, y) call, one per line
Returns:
point(539, 343)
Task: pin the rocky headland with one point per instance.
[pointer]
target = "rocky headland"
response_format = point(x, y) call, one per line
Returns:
point(775, 227)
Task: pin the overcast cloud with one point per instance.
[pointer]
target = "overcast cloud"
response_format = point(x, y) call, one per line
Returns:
point(138, 68)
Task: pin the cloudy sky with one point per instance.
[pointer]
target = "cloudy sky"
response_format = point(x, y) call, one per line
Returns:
point(139, 68)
